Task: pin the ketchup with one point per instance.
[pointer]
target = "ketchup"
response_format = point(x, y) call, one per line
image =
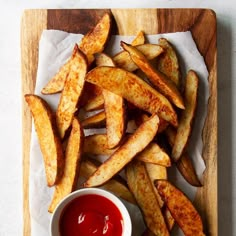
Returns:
point(91, 215)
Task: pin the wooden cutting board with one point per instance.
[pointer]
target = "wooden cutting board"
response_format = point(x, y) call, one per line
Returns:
point(202, 24)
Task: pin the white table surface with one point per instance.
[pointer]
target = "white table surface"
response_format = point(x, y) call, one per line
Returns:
point(10, 101)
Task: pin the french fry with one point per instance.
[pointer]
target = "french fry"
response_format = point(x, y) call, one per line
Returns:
point(48, 137)
point(168, 62)
point(139, 39)
point(170, 221)
point(96, 144)
point(125, 153)
point(114, 109)
point(96, 121)
point(72, 163)
point(156, 172)
point(70, 95)
point(181, 208)
point(124, 61)
point(159, 80)
point(95, 103)
point(155, 155)
point(115, 185)
point(142, 189)
point(184, 164)
point(56, 83)
point(93, 42)
point(133, 89)
point(187, 115)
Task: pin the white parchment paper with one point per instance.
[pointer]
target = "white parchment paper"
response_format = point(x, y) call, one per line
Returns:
point(54, 49)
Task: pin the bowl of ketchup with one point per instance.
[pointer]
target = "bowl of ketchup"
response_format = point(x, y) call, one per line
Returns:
point(91, 212)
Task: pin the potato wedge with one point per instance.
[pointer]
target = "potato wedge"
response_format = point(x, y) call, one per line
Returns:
point(156, 172)
point(95, 40)
point(115, 185)
point(181, 208)
point(184, 164)
point(125, 153)
point(170, 221)
point(186, 118)
point(96, 144)
point(159, 80)
point(155, 155)
point(140, 185)
point(124, 61)
point(139, 39)
point(49, 140)
point(133, 89)
point(72, 163)
point(56, 83)
point(114, 108)
point(168, 62)
point(96, 121)
point(70, 95)
point(95, 103)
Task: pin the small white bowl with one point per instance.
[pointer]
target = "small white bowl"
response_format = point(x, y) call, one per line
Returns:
point(55, 220)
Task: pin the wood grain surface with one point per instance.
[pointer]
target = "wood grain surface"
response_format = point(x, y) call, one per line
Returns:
point(202, 24)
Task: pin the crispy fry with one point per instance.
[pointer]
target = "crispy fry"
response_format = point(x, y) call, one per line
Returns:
point(97, 144)
point(49, 141)
point(56, 83)
point(142, 189)
point(184, 164)
point(124, 61)
point(96, 121)
point(95, 103)
point(115, 185)
point(125, 153)
point(168, 62)
point(139, 39)
point(170, 221)
point(72, 162)
point(155, 155)
point(133, 89)
point(159, 80)
point(186, 119)
point(70, 95)
point(95, 40)
point(114, 109)
point(181, 208)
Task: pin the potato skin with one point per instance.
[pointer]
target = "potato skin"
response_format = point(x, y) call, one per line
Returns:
point(49, 140)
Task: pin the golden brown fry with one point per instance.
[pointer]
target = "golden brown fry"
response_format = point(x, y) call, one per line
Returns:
point(133, 89)
point(184, 164)
point(124, 61)
point(156, 172)
point(159, 80)
point(114, 108)
point(139, 39)
point(97, 144)
point(95, 40)
point(49, 141)
point(181, 208)
point(125, 153)
point(187, 115)
point(96, 121)
point(56, 83)
point(155, 155)
point(95, 103)
point(170, 221)
point(168, 62)
point(142, 189)
point(70, 95)
point(115, 185)
point(72, 161)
